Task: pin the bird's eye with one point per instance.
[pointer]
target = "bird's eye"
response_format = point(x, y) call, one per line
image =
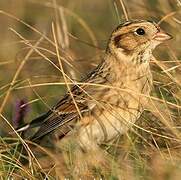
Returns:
point(140, 31)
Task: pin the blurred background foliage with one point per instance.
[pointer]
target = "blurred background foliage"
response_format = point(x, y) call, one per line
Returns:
point(83, 28)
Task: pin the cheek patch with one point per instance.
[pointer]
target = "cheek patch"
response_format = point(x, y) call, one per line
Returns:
point(128, 43)
point(117, 41)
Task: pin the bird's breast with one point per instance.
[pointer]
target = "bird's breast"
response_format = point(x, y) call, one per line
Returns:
point(116, 109)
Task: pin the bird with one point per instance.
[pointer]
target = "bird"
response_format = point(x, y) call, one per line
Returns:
point(109, 100)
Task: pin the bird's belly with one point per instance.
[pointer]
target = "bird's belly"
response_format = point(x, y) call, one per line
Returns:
point(113, 115)
point(108, 125)
point(118, 121)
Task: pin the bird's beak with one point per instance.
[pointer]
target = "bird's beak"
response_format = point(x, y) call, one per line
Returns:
point(162, 36)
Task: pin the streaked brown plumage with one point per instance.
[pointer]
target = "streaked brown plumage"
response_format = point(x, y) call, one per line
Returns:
point(112, 97)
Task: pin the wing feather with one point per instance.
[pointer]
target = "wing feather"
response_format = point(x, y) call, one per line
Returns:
point(65, 112)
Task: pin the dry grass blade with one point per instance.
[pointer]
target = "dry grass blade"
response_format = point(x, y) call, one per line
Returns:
point(17, 74)
point(62, 71)
point(124, 10)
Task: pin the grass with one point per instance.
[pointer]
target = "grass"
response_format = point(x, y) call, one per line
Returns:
point(40, 41)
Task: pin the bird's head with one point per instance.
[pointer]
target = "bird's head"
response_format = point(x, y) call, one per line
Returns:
point(135, 37)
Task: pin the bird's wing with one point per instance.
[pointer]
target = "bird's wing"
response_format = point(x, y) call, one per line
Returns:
point(66, 112)
point(62, 114)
